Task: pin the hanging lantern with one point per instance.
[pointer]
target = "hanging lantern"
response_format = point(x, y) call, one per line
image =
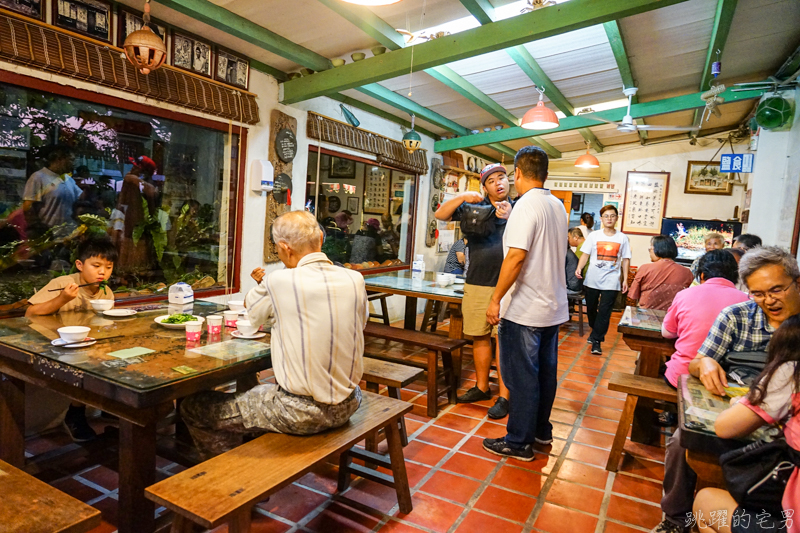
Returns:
point(540, 117)
point(411, 140)
point(773, 112)
point(144, 48)
point(587, 160)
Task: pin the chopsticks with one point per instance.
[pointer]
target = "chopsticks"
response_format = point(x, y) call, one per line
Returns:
point(70, 345)
point(84, 285)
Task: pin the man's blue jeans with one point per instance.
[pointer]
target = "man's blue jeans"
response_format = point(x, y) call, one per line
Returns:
point(529, 365)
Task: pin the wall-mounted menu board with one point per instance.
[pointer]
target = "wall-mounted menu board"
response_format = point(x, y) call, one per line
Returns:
point(645, 202)
point(376, 191)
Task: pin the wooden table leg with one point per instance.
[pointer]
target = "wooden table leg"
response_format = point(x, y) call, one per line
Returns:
point(433, 383)
point(371, 444)
point(456, 332)
point(398, 468)
point(12, 421)
point(706, 466)
point(137, 471)
point(644, 429)
point(394, 392)
point(410, 321)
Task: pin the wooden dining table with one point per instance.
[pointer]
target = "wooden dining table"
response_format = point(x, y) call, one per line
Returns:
point(641, 331)
point(139, 389)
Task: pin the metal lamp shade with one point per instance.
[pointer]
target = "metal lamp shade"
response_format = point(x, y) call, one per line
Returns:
point(145, 50)
point(540, 118)
point(587, 160)
point(412, 141)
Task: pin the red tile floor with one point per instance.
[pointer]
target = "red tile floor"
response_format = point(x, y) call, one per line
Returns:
point(456, 485)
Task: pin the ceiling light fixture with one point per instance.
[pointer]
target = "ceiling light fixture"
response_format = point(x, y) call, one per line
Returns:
point(540, 117)
point(587, 160)
point(144, 48)
point(371, 2)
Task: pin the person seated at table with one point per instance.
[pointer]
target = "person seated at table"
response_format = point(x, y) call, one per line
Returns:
point(576, 239)
point(746, 241)
point(64, 294)
point(456, 262)
point(319, 312)
point(657, 283)
point(574, 283)
point(772, 400)
point(772, 276)
point(712, 241)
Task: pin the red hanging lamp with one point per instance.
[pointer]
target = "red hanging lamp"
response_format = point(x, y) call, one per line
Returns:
point(540, 117)
point(587, 160)
point(144, 48)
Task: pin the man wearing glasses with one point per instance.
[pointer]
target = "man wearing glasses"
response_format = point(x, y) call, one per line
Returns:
point(772, 276)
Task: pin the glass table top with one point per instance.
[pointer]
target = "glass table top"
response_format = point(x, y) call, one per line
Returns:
point(401, 281)
point(644, 319)
point(169, 356)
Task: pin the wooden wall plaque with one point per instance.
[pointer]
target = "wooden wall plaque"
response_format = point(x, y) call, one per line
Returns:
point(277, 202)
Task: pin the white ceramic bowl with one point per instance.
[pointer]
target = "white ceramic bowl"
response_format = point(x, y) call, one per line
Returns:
point(73, 333)
point(102, 305)
point(442, 282)
point(236, 305)
point(246, 328)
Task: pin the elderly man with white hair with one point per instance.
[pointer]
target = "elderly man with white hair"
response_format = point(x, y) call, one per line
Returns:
point(319, 312)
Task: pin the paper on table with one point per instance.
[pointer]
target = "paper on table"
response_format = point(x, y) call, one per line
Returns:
point(130, 352)
point(231, 349)
point(705, 414)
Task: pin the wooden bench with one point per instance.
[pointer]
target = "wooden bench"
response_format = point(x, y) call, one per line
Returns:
point(394, 376)
point(224, 489)
point(380, 296)
point(635, 387)
point(450, 350)
point(32, 506)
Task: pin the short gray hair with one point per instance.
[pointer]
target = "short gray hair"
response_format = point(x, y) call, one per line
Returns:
point(298, 229)
point(769, 255)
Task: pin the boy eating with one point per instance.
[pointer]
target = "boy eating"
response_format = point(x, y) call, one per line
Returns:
point(95, 263)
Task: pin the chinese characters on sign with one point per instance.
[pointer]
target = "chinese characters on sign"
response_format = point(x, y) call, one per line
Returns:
point(377, 191)
point(736, 163)
point(645, 202)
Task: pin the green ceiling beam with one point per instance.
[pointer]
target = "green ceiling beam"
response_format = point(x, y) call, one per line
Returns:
point(723, 18)
point(588, 136)
point(490, 159)
point(480, 9)
point(539, 24)
point(551, 150)
point(387, 96)
point(528, 64)
point(358, 104)
point(466, 89)
point(503, 149)
point(623, 63)
point(641, 110)
point(249, 31)
point(368, 22)
point(266, 69)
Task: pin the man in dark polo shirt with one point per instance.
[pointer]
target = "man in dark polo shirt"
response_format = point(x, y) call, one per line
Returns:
point(485, 255)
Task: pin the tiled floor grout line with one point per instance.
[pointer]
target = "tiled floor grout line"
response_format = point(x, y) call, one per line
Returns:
point(553, 475)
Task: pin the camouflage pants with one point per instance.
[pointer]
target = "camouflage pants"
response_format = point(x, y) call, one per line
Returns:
point(218, 421)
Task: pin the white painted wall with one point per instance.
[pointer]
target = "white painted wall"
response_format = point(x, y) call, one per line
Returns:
point(776, 183)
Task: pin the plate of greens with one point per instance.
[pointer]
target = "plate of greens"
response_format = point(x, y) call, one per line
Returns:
point(176, 321)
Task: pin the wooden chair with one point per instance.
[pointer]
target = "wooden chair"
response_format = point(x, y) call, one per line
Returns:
point(380, 296)
point(577, 300)
point(224, 489)
point(32, 506)
point(450, 350)
point(430, 319)
point(635, 387)
point(394, 376)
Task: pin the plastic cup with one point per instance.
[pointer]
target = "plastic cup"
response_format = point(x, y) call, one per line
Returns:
point(214, 324)
point(230, 318)
point(194, 330)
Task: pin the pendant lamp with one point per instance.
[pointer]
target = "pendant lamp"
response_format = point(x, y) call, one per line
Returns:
point(144, 48)
point(587, 160)
point(411, 140)
point(371, 2)
point(540, 117)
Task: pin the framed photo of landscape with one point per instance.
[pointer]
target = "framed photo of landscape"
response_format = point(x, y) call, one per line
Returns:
point(87, 17)
point(192, 54)
point(704, 177)
point(29, 8)
point(130, 21)
point(232, 69)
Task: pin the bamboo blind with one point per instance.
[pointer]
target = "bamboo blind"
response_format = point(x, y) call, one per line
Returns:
point(387, 150)
point(48, 48)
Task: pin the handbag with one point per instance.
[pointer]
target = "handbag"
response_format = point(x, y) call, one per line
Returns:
point(745, 365)
point(478, 220)
point(756, 475)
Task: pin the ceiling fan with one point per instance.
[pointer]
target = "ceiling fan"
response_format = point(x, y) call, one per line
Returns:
point(629, 126)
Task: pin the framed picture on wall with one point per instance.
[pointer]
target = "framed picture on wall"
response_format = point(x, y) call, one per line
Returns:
point(191, 54)
point(645, 202)
point(352, 205)
point(87, 17)
point(343, 168)
point(232, 69)
point(130, 21)
point(704, 177)
point(29, 8)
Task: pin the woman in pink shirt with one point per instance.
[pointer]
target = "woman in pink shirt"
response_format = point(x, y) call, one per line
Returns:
point(694, 310)
point(773, 400)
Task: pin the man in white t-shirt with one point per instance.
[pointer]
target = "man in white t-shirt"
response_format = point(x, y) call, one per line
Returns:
point(532, 288)
point(610, 253)
point(50, 193)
